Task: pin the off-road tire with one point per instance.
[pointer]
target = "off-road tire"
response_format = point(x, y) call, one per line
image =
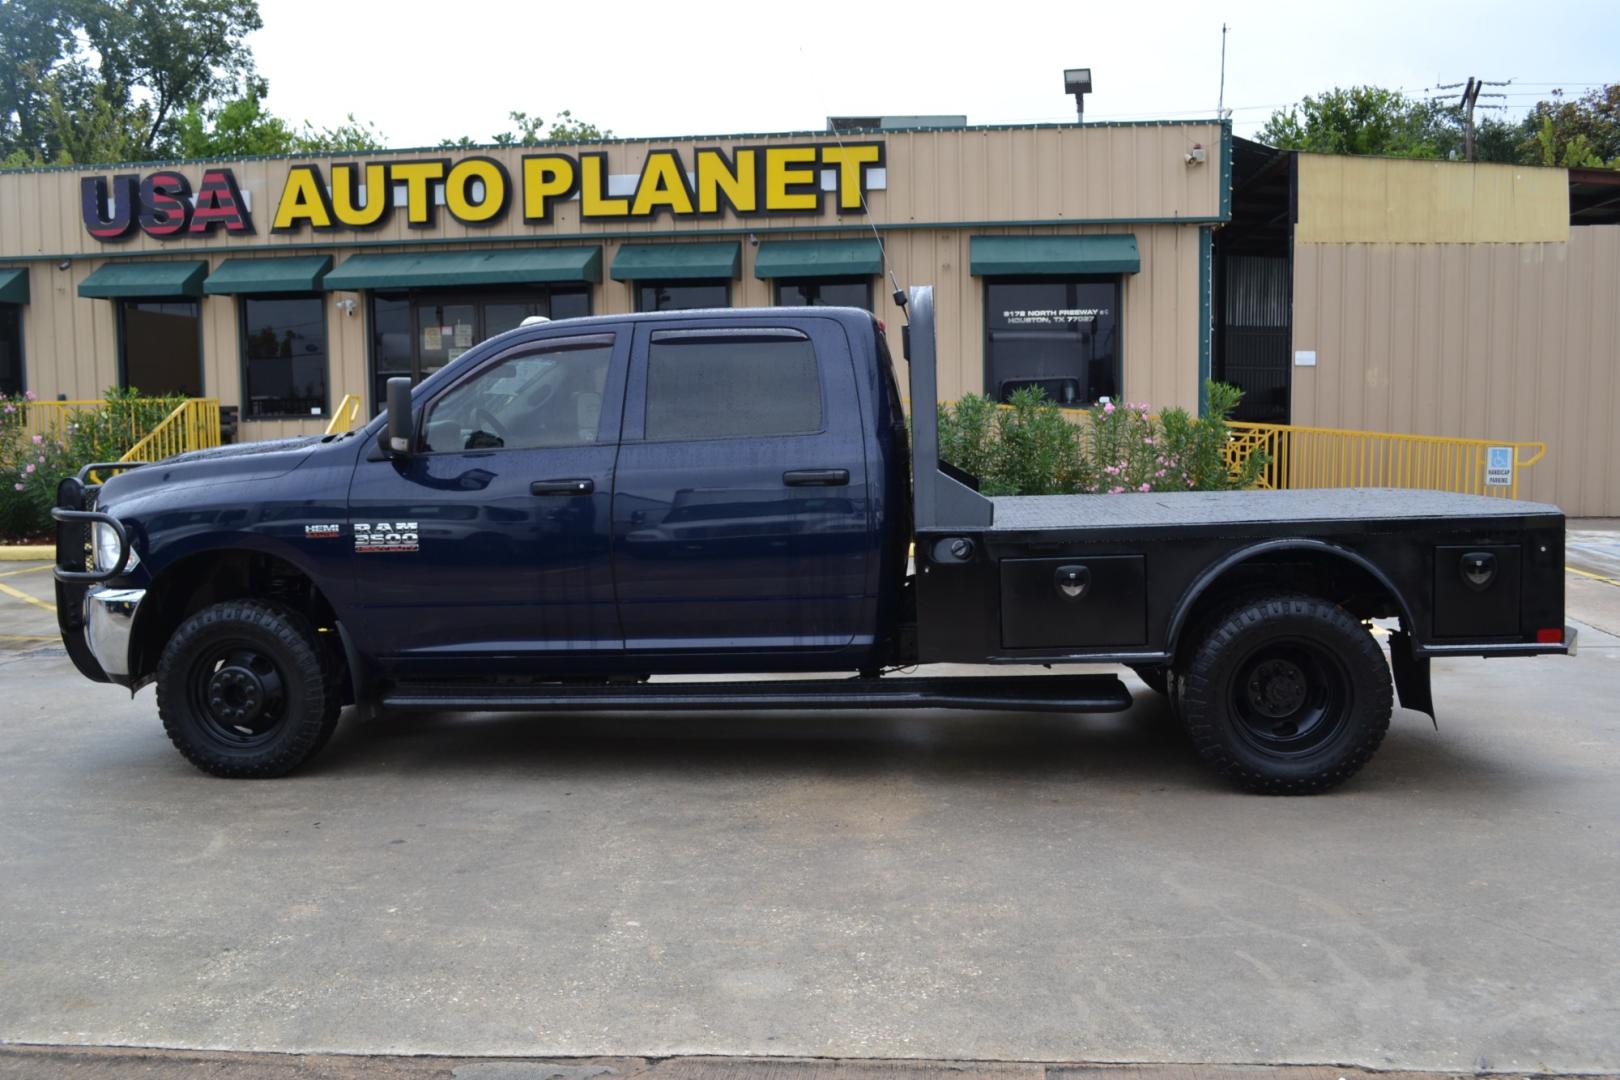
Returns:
point(1288, 649)
point(305, 706)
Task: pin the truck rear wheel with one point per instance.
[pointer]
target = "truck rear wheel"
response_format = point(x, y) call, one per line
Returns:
point(242, 691)
point(1285, 694)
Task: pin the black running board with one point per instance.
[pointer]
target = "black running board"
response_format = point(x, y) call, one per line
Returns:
point(1026, 693)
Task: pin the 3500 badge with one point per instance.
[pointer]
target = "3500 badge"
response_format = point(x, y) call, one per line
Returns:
point(385, 536)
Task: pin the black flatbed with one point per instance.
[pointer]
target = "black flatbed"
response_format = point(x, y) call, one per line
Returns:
point(1191, 509)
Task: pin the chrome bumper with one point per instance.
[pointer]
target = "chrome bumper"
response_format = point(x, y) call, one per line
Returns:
point(109, 614)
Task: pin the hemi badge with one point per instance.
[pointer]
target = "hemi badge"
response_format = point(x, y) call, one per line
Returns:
point(322, 532)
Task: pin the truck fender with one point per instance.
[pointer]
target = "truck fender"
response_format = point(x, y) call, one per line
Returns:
point(1213, 573)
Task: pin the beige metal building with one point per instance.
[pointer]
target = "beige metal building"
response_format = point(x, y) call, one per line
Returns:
point(1076, 258)
point(1430, 298)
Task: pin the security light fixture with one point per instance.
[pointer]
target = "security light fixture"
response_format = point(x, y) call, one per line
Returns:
point(1077, 81)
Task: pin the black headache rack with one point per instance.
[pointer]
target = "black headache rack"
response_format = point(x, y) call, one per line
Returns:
point(74, 567)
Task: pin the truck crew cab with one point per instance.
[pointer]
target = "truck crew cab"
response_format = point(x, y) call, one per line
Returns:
point(570, 509)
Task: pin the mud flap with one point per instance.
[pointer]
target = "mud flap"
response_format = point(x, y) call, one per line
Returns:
point(1411, 676)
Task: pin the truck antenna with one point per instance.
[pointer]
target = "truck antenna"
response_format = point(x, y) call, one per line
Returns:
point(883, 250)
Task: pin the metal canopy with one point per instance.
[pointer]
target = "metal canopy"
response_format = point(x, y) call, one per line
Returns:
point(145, 280)
point(301, 274)
point(14, 286)
point(818, 259)
point(521, 266)
point(1015, 256)
point(676, 262)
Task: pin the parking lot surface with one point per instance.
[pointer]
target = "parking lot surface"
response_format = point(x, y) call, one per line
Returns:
point(935, 885)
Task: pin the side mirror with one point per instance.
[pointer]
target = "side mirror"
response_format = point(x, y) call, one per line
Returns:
point(400, 435)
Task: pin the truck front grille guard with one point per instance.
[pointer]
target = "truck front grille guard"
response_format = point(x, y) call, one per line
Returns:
point(74, 549)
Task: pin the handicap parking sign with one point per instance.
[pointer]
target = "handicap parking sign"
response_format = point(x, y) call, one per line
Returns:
point(1499, 466)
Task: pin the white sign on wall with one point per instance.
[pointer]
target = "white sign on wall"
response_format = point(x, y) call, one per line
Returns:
point(1499, 466)
point(1304, 357)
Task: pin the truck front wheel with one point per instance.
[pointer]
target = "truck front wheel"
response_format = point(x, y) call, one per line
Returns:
point(241, 690)
point(1285, 694)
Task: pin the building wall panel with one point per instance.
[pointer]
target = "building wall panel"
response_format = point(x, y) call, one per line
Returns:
point(1397, 200)
point(1495, 341)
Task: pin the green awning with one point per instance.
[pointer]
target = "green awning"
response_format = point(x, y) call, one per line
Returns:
point(302, 274)
point(1003, 256)
point(676, 262)
point(518, 266)
point(13, 286)
point(150, 280)
point(818, 259)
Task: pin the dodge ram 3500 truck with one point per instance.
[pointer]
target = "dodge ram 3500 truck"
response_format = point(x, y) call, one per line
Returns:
point(570, 509)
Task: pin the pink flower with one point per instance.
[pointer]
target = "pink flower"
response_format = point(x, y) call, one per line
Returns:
point(1108, 409)
point(30, 468)
point(1144, 487)
point(38, 439)
point(1159, 473)
point(29, 395)
point(11, 408)
point(19, 487)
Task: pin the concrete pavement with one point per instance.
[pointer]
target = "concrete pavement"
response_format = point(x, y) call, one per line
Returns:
point(924, 885)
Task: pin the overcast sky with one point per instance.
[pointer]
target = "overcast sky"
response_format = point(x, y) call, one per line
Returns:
point(424, 71)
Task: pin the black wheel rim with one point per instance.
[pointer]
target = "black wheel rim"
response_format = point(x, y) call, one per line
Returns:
point(1290, 697)
point(238, 694)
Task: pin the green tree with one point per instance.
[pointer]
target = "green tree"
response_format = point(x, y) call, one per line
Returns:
point(105, 80)
point(34, 37)
point(1358, 120)
point(1583, 133)
point(242, 127)
point(532, 131)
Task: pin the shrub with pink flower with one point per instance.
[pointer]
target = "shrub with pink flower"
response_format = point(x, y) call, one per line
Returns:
point(1031, 447)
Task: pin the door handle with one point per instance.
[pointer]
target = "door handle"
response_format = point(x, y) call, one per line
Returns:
point(562, 487)
point(815, 477)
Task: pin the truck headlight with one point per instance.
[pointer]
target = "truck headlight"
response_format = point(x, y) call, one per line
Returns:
point(106, 544)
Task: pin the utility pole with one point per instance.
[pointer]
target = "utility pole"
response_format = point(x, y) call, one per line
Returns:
point(1470, 98)
point(1220, 100)
point(1471, 93)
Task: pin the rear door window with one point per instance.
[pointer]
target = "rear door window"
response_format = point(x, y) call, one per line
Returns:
point(707, 385)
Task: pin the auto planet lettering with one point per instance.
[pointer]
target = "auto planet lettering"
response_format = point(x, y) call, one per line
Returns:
point(479, 190)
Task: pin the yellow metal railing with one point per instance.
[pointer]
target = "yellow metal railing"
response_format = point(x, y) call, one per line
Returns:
point(193, 425)
point(1312, 457)
point(344, 415)
point(51, 420)
point(1315, 457)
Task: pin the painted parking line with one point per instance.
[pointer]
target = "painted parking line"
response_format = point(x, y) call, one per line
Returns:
point(1594, 577)
point(20, 595)
point(29, 637)
point(27, 570)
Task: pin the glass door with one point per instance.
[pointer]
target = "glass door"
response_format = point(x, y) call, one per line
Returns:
point(444, 330)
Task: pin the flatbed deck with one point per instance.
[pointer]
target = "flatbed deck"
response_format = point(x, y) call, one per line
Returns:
point(1195, 509)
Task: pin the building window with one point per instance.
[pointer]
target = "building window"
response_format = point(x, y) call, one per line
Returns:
point(706, 387)
point(826, 292)
point(284, 357)
point(11, 373)
point(1060, 334)
point(682, 295)
point(162, 347)
point(416, 333)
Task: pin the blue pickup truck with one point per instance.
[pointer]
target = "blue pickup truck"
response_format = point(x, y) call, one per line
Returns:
point(572, 509)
